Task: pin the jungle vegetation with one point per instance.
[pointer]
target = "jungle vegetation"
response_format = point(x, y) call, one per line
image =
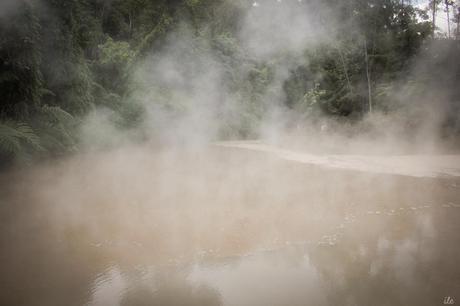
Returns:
point(62, 59)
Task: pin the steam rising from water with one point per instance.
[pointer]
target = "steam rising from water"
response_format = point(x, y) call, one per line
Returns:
point(188, 96)
point(144, 205)
point(125, 226)
point(185, 88)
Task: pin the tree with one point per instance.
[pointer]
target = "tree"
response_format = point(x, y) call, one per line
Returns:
point(433, 4)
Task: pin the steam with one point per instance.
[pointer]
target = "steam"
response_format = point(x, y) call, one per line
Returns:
point(185, 97)
point(186, 88)
point(188, 94)
point(161, 193)
point(183, 93)
point(275, 27)
point(8, 7)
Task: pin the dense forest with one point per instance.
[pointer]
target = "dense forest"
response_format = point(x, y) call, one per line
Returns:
point(68, 65)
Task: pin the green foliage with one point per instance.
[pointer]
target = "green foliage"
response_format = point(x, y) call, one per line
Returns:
point(20, 58)
point(62, 59)
point(17, 141)
point(56, 129)
point(115, 53)
point(312, 98)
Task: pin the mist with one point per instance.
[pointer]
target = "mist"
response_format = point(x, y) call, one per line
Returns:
point(227, 153)
point(8, 7)
point(186, 90)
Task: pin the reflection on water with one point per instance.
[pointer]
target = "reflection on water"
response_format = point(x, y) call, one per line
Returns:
point(150, 286)
point(222, 230)
point(360, 269)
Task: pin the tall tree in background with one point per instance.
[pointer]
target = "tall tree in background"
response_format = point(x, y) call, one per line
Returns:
point(433, 4)
point(447, 4)
point(456, 18)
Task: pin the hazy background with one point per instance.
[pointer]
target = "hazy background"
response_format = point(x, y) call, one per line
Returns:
point(98, 74)
point(120, 183)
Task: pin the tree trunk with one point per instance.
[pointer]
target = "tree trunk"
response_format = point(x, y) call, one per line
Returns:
point(368, 75)
point(130, 24)
point(448, 18)
point(345, 70)
point(458, 23)
point(434, 15)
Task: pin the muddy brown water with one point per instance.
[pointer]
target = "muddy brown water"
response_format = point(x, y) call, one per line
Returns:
point(224, 226)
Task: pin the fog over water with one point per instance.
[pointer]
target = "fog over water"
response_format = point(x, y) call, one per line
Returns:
point(318, 211)
point(223, 226)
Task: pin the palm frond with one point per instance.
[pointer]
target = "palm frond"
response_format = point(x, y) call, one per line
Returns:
point(16, 138)
point(57, 114)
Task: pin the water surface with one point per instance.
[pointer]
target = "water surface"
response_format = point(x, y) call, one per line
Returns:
point(224, 227)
